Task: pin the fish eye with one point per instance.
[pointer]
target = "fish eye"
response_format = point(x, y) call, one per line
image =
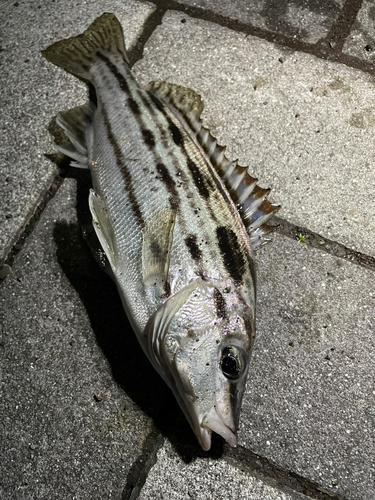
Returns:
point(230, 362)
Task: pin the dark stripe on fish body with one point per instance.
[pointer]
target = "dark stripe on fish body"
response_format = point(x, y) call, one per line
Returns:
point(156, 101)
point(124, 170)
point(170, 184)
point(112, 67)
point(133, 105)
point(192, 245)
point(147, 134)
point(198, 179)
point(203, 185)
point(219, 304)
point(148, 137)
point(233, 258)
point(176, 135)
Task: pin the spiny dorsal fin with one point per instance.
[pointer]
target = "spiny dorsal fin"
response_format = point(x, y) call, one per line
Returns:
point(184, 100)
point(250, 199)
point(77, 125)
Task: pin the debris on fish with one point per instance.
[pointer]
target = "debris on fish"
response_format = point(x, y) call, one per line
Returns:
point(177, 222)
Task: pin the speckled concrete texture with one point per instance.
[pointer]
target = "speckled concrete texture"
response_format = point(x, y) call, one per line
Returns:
point(305, 20)
point(68, 430)
point(310, 395)
point(204, 479)
point(83, 413)
point(33, 91)
point(304, 126)
point(361, 40)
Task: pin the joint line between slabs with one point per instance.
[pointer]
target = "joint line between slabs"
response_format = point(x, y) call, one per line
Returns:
point(29, 226)
point(149, 26)
point(328, 48)
point(262, 468)
point(315, 240)
point(349, 13)
point(340, 29)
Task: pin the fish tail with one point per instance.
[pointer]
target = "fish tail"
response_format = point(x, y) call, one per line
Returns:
point(79, 53)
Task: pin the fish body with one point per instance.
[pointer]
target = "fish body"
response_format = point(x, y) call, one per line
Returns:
point(170, 213)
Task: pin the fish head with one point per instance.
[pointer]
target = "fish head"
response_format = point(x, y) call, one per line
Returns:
point(206, 355)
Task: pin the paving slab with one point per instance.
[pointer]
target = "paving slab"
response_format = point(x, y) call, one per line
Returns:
point(305, 20)
point(304, 126)
point(310, 397)
point(361, 40)
point(206, 478)
point(33, 91)
point(68, 429)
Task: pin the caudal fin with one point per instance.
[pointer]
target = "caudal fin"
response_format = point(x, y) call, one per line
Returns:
point(78, 54)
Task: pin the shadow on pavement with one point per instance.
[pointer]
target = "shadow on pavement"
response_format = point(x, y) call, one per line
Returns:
point(130, 367)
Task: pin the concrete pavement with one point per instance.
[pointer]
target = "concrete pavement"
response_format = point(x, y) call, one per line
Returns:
point(288, 87)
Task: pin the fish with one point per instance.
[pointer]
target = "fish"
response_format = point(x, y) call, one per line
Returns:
point(177, 222)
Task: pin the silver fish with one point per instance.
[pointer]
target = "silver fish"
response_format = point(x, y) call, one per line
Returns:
point(177, 222)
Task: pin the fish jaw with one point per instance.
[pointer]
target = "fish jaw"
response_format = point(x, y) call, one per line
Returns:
point(193, 369)
point(224, 423)
point(213, 422)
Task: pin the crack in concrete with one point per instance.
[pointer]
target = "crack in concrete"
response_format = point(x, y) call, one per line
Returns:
point(268, 472)
point(29, 226)
point(328, 48)
point(141, 467)
point(315, 240)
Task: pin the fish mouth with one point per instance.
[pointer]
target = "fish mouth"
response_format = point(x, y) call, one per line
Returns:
point(212, 422)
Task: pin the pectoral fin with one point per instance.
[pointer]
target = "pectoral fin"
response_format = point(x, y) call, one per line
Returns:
point(157, 242)
point(102, 226)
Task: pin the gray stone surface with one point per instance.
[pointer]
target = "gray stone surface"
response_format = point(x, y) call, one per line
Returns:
point(304, 126)
point(361, 40)
point(310, 400)
point(205, 479)
point(79, 401)
point(305, 20)
point(68, 429)
point(33, 92)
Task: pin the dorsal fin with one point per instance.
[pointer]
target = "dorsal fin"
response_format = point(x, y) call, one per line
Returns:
point(182, 99)
point(250, 199)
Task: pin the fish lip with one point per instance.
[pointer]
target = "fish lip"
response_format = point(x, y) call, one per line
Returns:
point(204, 438)
point(213, 422)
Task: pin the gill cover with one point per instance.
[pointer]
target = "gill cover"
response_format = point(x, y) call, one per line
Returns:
point(206, 373)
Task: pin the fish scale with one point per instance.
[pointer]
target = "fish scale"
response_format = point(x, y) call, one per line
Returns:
point(164, 210)
point(174, 160)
